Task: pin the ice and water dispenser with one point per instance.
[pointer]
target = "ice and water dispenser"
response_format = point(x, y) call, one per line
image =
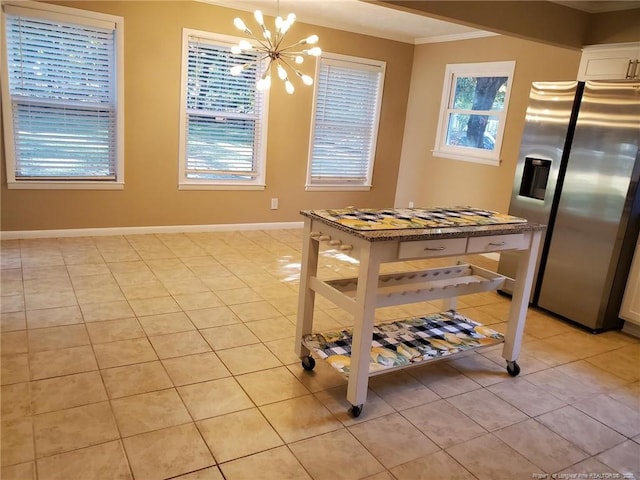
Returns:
point(534, 178)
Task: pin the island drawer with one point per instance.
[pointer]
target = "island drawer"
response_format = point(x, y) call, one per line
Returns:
point(432, 248)
point(493, 243)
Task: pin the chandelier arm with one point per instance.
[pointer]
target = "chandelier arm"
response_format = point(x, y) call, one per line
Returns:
point(289, 47)
point(293, 54)
point(256, 61)
point(283, 60)
point(294, 69)
point(279, 41)
point(264, 45)
point(306, 79)
point(267, 71)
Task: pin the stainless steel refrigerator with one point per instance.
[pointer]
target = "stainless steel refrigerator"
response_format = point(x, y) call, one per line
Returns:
point(578, 172)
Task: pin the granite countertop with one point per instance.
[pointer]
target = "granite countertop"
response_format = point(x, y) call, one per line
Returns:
point(429, 233)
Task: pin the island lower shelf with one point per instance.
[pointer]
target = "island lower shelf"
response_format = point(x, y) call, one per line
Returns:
point(407, 342)
point(414, 286)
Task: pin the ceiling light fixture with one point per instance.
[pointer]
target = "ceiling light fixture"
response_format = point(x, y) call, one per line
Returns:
point(281, 58)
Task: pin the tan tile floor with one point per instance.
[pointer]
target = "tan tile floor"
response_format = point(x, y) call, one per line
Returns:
point(171, 356)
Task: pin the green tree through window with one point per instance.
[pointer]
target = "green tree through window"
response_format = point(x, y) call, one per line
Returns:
point(484, 94)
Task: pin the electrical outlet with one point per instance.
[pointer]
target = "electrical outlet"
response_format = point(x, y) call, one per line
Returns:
point(411, 204)
point(274, 204)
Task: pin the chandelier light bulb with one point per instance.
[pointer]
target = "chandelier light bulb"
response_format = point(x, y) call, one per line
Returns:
point(240, 24)
point(279, 24)
point(264, 83)
point(245, 45)
point(235, 49)
point(306, 79)
point(282, 73)
point(299, 59)
point(315, 51)
point(286, 25)
point(312, 39)
point(288, 86)
point(258, 16)
point(236, 70)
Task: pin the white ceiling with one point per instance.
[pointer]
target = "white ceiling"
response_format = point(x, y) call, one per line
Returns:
point(379, 21)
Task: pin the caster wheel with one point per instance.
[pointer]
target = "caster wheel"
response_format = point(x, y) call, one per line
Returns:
point(513, 368)
point(355, 410)
point(308, 363)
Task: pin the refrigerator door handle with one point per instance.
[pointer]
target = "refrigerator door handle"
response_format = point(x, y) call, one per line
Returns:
point(497, 244)
point(631, 73)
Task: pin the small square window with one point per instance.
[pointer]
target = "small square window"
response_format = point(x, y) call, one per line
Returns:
point(473, 111)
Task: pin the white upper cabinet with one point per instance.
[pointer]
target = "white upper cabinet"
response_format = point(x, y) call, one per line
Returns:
point(610, 62)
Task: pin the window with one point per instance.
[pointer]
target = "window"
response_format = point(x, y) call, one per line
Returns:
point(223, 117)
point(348, 96)
point(473, 111)
point(64, 117)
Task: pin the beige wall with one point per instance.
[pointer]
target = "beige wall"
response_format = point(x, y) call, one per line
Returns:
point(614, 27)
point(427, 180)
point(540, 21)
point(152, 86)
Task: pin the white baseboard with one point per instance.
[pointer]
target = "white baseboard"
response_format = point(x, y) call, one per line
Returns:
point(99, 232)
point(631, 328)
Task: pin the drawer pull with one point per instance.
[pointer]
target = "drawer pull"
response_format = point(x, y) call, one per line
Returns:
point(497, 244)
point(435, 249)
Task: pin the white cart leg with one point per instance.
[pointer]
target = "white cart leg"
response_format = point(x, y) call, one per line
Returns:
point(363, 328)
point(306, 296)
point(451, 303)
point(520, 303)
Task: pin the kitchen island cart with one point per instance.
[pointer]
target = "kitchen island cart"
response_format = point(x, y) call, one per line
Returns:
point(374, 237)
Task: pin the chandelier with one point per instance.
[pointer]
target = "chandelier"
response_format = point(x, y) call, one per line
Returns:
point(282, 59)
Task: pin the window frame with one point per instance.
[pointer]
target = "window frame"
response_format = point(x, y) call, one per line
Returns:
point(78, 17)
point(184, 183)
point(472, 154)
point(366, 64)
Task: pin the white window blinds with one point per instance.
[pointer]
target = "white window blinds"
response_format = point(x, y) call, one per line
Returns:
point(62, 85)
point(224, 114)
point(345, 124)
